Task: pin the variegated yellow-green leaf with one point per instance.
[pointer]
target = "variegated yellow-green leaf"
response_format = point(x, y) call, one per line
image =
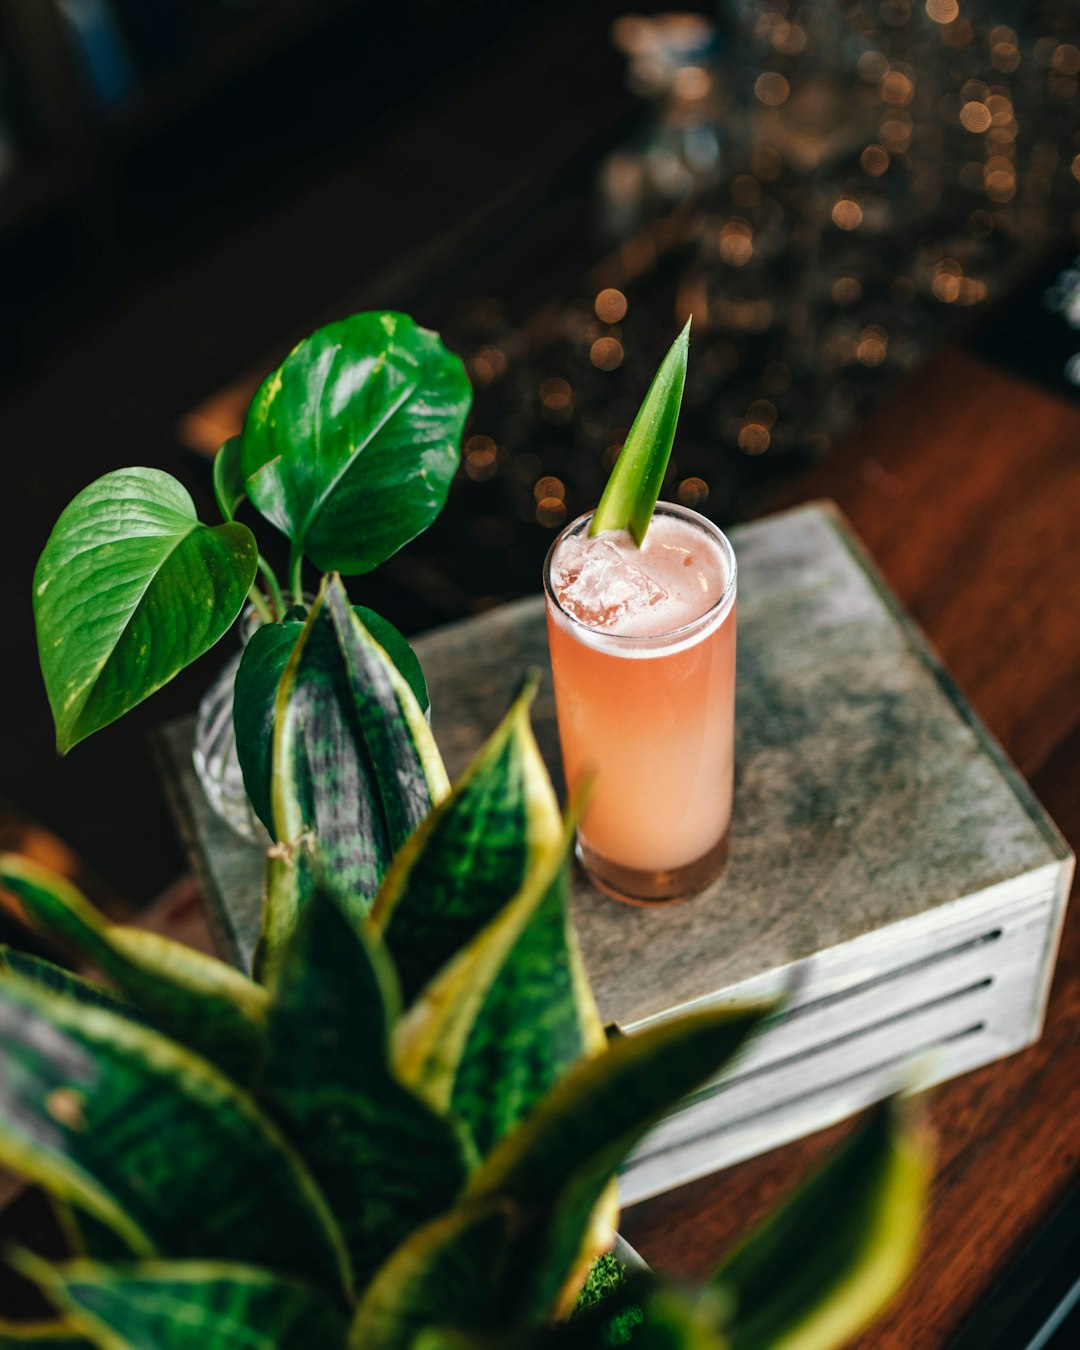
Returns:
point(555, 1165)
point(154, 1142)
point(44, 1335)
point(190, 1305)
point(507, 1016)
point(18, 965)
point(471, 854)
point(631, 492)
point(355, 768)
point(130, 589)
point(824, 1264)
point(350, 446)
point(195, 998)
point(258, 677)
point(384, 1160)
point(451, 1274)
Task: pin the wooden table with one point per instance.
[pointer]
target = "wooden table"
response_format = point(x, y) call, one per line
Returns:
point(966, 489)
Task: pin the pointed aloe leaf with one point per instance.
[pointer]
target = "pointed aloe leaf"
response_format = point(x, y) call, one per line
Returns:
point(448, 1274)
point(355, 768)
point(21, 966)
point(154, 1142)
point(827, 1262)
point(471, 854)
point(190, 1305)
point(195, 998)
point(385, 1161)
point(557, 1163)
point(45, 1335)
point(261, 668)
point(502, 1021)
point(130, 589)
point(229, 486)
point(350, 446)
point(634, 486)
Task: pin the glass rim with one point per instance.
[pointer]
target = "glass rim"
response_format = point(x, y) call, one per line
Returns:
point(715, 614)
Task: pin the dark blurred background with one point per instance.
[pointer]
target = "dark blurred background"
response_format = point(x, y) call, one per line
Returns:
point(833, 189)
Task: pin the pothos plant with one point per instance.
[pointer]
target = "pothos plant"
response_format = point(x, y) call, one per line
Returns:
point(402, 1132)
point(348, 448)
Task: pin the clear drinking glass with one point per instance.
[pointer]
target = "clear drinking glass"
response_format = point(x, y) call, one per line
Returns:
point(651, 720)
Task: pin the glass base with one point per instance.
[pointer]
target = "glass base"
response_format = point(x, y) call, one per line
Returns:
point(636, 887)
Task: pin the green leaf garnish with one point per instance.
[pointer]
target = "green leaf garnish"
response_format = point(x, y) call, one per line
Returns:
point(630, 496)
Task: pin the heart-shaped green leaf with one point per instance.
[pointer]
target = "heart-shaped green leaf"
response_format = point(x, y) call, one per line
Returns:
point(831, 1257)
point(261, 668)
point(384, 1160)
point(130, 589)
point(189, 1305)
point(471, 855)
point(350, 446)
point(631, 492)
point(556, 1165)
point(154, 1142)
point(198, 1000)
point(355, 769)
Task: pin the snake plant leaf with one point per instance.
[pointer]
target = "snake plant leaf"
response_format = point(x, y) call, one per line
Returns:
point(229, 486)
point(190, 1305)
point(829, 1259)
point(87, 1236)
point(44, 1335)
point(450, 1274)
point(556, 1165)
point(630, 496)
point(198, 1000)
point(502, 1021)
point(350, 446)
point(18, 965)
point(130, 589)
point(471, 854)
point(261, 668)
point(355, 768)
point(384, 1160)
point(154, 1142)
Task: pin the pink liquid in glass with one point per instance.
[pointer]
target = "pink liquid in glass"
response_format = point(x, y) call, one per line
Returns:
point(643, 657)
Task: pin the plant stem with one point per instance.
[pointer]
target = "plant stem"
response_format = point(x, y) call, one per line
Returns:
point(296, 576)
point(274, 587)
point(261, 607)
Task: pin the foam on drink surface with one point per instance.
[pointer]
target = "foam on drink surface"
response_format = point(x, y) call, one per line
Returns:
point(610, 584)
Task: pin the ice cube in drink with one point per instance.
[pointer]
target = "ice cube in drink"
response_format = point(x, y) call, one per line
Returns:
point(643, 656)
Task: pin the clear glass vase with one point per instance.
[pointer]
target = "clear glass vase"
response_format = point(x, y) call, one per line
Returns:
point(217, 765)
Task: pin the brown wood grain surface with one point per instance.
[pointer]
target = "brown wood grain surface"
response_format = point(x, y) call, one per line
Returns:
point(966, 489)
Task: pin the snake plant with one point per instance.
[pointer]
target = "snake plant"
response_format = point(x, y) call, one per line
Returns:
point(403, 1131)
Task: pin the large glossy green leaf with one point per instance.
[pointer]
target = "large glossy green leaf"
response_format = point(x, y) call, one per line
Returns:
point(261, 668)
point(502, 1021)
point(451, 1274)
point(350, 446)
point(471, 854)
point(557, 1164)
point(355, 768)
point(154, 1142)
point(385, 1161)
point(191, 1305)
point(130, 589)
point(195, 998)
point(828, 1260)
point(630, 496)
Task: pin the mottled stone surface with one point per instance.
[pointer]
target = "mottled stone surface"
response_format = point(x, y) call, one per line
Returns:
point(867, 793)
